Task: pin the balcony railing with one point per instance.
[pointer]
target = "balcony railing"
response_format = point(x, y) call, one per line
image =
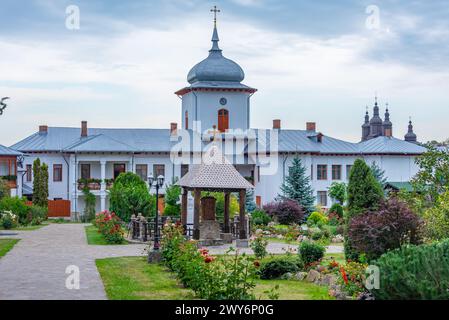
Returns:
point(94, 184)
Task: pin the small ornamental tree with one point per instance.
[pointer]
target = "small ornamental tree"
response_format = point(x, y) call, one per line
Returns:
point(392, 226)
point(89, 205)
point(364, 194)
point(297, 186)
point(40, 184)
point(285, 211)
point(129, 195)
point(337, 191)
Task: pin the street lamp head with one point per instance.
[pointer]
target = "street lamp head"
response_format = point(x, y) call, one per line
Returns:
point(160, 181)
point(150, 180)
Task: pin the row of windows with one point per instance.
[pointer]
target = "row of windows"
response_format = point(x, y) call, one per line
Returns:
point(336, 170)
point(141, 171)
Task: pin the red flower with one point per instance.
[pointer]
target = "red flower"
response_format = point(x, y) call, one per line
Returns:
point(209, 259)
point(344, 275)
point(257, 264)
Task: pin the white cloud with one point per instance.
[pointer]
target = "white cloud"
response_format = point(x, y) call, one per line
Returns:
point(129, 79)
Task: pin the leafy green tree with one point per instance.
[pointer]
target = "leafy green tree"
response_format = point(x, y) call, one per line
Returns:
point(433, 176)
point(129, 195)
point(337, 191)
point(437, 218)
point(379, 174)
point(172, 194)
point(364, 194)
point(40, 184)
point(297, 186)
point(4, 190)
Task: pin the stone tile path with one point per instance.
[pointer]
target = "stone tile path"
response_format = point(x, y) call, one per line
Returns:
point(35, 267)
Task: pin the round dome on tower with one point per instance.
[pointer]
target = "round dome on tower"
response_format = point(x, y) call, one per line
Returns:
point(216, 67)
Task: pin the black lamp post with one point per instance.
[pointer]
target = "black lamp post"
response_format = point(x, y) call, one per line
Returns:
point(157, 183)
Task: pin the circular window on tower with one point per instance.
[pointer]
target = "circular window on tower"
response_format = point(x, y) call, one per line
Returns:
point(223, 101)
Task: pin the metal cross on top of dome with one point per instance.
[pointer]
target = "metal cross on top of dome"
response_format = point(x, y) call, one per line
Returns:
point(215, 10)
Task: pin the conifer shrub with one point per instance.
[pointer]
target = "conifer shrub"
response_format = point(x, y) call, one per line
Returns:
point(414, 273)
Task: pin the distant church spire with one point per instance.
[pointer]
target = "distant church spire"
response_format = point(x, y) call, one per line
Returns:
point(366, 126)
point(387, 125)
point(411, 136)
point(376, 129)
point(215, 38)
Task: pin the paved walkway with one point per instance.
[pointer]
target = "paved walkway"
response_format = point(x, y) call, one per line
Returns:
point(35, 267)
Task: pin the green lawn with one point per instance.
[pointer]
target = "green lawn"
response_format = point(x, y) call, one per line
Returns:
point(95, 238)
point(132, 278)
point(6, 245)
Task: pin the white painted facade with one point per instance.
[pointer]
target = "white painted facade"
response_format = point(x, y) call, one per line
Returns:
point(201, 102)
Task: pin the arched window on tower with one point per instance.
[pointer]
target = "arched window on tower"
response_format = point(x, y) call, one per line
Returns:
point(186, 120)
point(223, 120)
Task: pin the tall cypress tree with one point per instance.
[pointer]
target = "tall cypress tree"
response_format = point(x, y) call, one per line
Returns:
point(364, 194)
point(40, 183)
point(297, 186)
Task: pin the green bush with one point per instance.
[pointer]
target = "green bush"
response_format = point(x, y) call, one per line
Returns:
point(414, 273)
point(276, 267)
point(317, 219)
point(172, 211)
point(38, 214)
point(8, 220)
point(310, 252)
point(260, 217)
point(259, 245)
point(129, 195)
point(17, 206)
point(337, 209)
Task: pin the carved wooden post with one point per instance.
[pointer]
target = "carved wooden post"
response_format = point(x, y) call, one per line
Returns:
point(196, 214)
point(226, 212)
point(184, 209)
point(242, 217)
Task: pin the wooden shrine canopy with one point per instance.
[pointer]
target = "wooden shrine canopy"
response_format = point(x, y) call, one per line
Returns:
point(215, 174)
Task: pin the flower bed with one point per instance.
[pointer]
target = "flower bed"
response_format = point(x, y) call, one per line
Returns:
point(110, 226)
point(226, 277)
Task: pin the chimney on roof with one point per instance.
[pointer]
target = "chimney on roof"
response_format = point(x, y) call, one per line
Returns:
point(311, 126)
point(277, 124)
point(43, 129)
point(83, 128)
point(173, 129)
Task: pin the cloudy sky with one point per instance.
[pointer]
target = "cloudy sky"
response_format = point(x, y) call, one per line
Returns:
point(311, 61)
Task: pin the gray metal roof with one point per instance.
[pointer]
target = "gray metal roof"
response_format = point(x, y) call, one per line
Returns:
point(158, 140)
point(390, 145)
point(69, 139)
point(5, 151)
